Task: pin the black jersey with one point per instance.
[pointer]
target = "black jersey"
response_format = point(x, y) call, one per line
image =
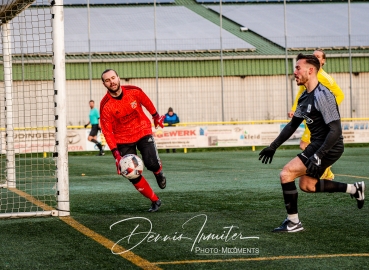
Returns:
point(318, 108)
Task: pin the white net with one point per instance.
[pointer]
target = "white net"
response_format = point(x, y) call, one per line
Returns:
point(27, 111)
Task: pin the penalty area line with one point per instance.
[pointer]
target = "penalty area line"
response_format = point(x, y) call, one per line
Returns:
point(352, 176)
point(119, 250)
point(322, 256)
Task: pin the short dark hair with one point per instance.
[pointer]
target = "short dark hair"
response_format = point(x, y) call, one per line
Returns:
point(310, 59)
point(92, 101)
point(107, 70)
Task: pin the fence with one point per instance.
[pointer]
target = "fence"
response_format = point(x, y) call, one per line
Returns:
point(221, 82)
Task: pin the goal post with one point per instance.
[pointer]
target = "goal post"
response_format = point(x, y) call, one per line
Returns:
point(60, 110)
point(9, 130)
point(34, 177)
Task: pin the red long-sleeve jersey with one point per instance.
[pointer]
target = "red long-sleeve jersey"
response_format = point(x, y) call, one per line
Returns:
point(124, 121)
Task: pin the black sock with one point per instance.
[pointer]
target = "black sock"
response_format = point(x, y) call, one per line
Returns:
point(290, 196)
point(97, 144)
point(330, 186)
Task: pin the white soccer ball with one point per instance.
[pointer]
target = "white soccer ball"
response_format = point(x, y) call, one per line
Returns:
point(131, 166)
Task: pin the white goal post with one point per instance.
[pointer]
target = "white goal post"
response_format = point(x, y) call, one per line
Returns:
point(34, 177)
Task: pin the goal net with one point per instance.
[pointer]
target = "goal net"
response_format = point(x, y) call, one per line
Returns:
point(32, 125)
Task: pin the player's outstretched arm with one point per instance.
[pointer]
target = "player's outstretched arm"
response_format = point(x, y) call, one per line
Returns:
point(117, 157)
point(266, 155)
point(158, 120)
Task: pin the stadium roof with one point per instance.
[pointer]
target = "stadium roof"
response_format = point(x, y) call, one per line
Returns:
point(269, 1)
point(104, 2)
point(187, 29)
point(132, 29)
point(308, 25)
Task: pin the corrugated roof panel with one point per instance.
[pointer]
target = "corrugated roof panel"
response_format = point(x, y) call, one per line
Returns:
point(35, 40)
point(260, 1)
point(308, 25)
point(105, 2)
point(132, 29)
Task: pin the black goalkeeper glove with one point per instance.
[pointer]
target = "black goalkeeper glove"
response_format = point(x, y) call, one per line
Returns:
point(86, 126)
point(267, 155)
point(313, 166)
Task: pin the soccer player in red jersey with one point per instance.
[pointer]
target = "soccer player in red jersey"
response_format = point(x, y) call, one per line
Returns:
point(126, 128)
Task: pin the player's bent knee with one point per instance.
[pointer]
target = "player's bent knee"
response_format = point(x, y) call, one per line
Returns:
point(152, 165)
point(285, 176)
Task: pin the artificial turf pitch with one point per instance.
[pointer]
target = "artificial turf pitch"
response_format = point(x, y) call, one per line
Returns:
point(218, 211)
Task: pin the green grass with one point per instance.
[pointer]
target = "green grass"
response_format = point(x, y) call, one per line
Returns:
point(208, 192)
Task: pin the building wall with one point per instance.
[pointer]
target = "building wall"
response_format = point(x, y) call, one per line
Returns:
point(200, 99)
point(248, 98)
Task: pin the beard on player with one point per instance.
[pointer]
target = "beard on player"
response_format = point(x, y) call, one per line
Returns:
point(301, 80)
point(114, 88)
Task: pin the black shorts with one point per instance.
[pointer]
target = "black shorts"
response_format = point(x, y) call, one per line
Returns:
point(331, 157)
point(94, 130)
point(147, 147)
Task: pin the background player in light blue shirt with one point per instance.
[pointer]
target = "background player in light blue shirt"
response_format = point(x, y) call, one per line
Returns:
point(94, 121)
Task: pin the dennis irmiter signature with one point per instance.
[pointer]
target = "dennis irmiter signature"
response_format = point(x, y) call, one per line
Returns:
point(229, 233)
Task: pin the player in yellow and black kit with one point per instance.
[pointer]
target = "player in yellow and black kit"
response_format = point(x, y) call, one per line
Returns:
point(326, 80)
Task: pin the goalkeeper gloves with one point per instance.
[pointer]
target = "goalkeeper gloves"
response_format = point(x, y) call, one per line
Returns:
point(86, 126)
point(313, 166)
point(158, 120)
point(267, 155)
point(117, 157)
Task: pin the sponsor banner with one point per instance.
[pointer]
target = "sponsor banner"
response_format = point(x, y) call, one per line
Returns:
point(77, 140)
point(355, 132)
point(295, 137)
point(34, 141)
point(30, 141)
point(244, 135)
point(221, 136)
point(176, 137)
point(238, 135)
point(39, 141)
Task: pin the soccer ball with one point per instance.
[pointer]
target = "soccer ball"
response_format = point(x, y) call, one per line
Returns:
point(131, 166)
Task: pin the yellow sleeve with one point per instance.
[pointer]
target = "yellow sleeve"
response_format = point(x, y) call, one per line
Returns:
point(328, 81)
point(299, 93)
